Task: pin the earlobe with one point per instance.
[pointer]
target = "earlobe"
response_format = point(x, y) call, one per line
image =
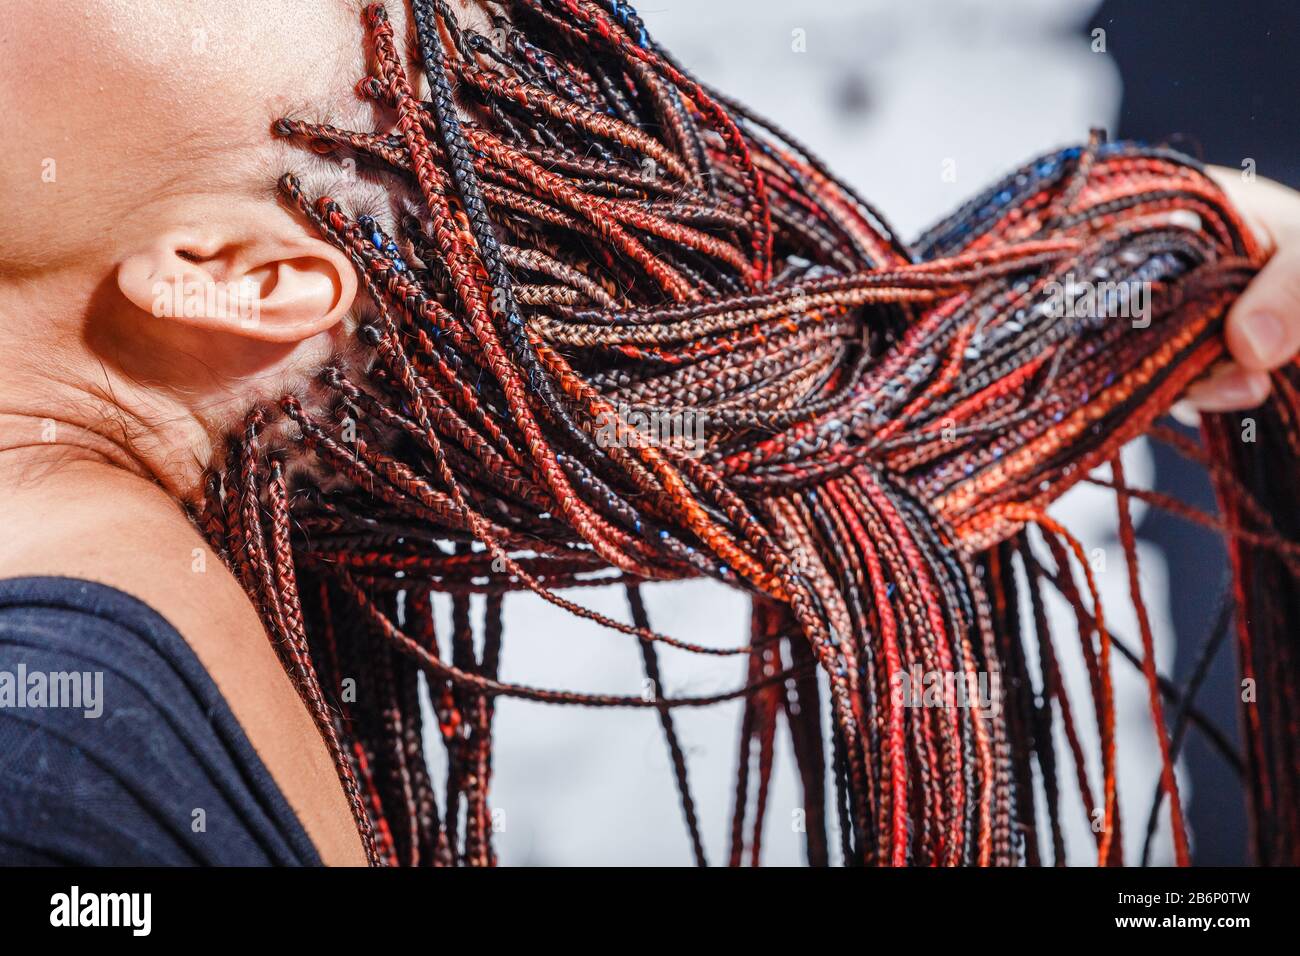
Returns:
point(283, 292)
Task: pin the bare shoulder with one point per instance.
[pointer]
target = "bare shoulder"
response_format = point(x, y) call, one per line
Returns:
point(112, 527)
point(108, 526)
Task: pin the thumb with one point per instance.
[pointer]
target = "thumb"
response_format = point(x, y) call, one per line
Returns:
point(1263, 328)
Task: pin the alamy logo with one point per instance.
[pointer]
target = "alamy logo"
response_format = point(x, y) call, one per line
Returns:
point(79, 690)
point(682, 430)
point(920, 688)
point(74, 908)
point(191, 298)
point(1084, 299)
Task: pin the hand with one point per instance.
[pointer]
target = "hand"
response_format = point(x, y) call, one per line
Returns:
point(1263, 327)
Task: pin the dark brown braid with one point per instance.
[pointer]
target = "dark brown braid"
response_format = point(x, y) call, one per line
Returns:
point(620, 330)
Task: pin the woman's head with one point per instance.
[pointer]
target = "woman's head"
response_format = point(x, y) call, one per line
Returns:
point(143, 240)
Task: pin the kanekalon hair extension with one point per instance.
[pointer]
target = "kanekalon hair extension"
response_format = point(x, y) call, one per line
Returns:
point(630, 332)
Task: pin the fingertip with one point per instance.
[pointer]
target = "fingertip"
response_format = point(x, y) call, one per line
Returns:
point(1230, 388)
point(1257, 338)
point(1263, 329)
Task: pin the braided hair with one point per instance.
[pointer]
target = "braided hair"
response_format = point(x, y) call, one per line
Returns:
point(874, 433)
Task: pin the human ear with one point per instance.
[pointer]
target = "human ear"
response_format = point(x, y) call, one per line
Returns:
point(276, 289)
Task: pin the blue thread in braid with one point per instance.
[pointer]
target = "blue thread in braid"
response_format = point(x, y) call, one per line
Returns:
point(462, 171)
point(631, 22)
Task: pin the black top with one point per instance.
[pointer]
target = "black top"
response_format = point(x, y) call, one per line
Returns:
point(116, 746)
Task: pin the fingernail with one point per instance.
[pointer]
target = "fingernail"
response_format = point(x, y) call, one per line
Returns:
point(1264, 335)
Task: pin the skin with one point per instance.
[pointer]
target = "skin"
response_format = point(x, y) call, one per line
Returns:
point(156, 117)
point(1262, 331)
point(138, 155)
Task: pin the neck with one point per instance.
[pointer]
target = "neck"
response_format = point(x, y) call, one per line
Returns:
point(35, 443)
point(47, 435)
point(62, 407)
point(111, 386)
